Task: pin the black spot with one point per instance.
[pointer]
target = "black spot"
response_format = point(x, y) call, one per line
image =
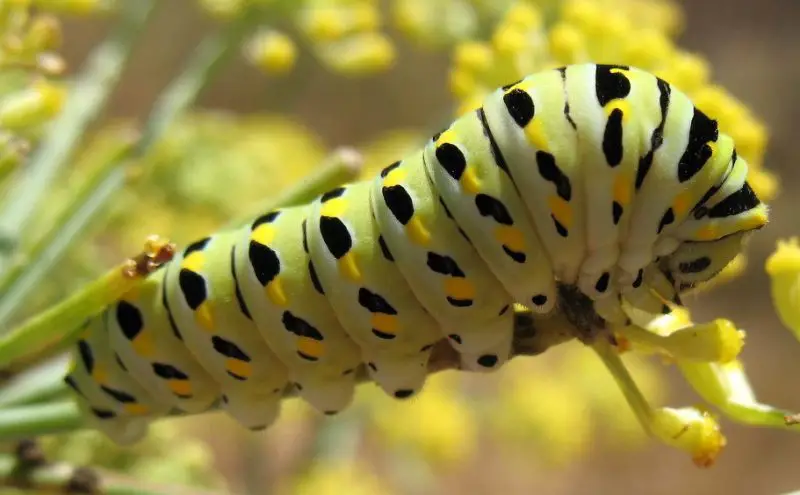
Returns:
point(305, 235)
point(520, 106)
point(103, 413)
point(238, 290)
point(298, 387)
point(118, 395)
point(562, 231)
point(444, 265)
point(69, 380)
point(129, 319)
point(695, 266)
point(702, 130)
point(451, 159)
point(173, 325)
point(455, 338)
point(169, 372)
point(266, 218)
point(333, 193)
point(193, 288)
point(300, 327)
point(224, 398)
point(372, 366)
point(511, 85)
point(612, 138)
point(667, 219)
point(388, 169)
point(348, 371)
point(403, 393)
point(196, 246)
point(265, 262)
point(639, 278)
point(374, 302)
point(335, 235)
point(497, 154)
point(488, 360)
point(549, 171)
point(742, 200)
point(611, 85)
point(229, 349)
point(259, 428)
point(616, 212)
point(399, 203)
point(87, 357)
point(120, 363)
point(426, 348)
point(493, 207)
point(312, 273)
point(657, 138)
point(331, 413)
point(383, 335)
point(539, 300)
point(504, 310)
point(602, 283)
point(385, 249)
point(665, 310)
point(515, 255)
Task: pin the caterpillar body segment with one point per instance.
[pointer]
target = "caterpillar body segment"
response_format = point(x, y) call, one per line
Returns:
point(208, 299)
point(469, 171)
point(110, 398)
point(442, 268)
point(280, 289)
point(141, 332)
point(598, 179)
point(368, 292)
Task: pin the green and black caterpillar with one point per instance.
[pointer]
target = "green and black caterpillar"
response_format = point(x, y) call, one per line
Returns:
point(600, 177)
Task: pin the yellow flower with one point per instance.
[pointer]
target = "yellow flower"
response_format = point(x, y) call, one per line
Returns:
point(783, 268)
point(437, 424)
point(334, 478)
point(272, 51)
point(32, 107)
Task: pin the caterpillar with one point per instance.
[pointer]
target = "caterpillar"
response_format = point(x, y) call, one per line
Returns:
point(599, 177)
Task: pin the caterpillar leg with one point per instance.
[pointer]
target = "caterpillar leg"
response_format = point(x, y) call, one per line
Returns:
point(109, 397)
point(399, 376)
point(326, 395)
point(254, 412)
point(485, 349)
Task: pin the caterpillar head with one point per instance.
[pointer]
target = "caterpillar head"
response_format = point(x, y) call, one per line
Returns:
point(717, 234)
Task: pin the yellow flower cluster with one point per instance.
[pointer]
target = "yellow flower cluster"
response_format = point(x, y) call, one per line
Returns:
point(30, 93)
point(783, 268)
point(344, 35)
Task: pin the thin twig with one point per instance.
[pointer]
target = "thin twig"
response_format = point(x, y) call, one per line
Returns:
point(61, 322)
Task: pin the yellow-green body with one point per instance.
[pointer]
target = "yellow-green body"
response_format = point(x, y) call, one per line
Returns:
point(600, 177)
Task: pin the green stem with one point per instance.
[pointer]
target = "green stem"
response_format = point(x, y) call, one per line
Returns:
point(87, 99)
point(204, 63)
point(40, 383)
point(630, 390)
point(25, 275)
point(17, 423)
point(342, 166)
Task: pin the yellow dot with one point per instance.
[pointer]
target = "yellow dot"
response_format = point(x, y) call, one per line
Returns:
point(239, 367)
point(180, 387)
point(459, 288)
point(310, 347)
